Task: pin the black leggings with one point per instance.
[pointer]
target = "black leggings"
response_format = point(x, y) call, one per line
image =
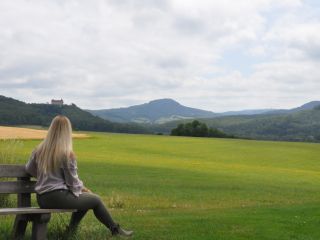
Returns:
point(64, 199)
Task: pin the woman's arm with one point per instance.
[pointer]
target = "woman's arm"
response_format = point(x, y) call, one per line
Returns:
point(31, 166)
point(72, 180)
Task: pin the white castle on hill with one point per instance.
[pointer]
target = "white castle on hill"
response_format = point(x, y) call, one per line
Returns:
point(57, 102)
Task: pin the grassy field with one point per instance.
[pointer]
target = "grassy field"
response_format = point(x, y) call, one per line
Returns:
point(193, 188)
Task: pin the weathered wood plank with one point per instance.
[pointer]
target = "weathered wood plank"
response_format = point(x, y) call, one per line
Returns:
point(39, 226)
point(12, 170)
point(19, 227)
point(32, 210)
point(17, 187)
point(24, 199)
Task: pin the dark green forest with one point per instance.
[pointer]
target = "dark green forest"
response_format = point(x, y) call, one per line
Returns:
point(14, 112)
point(198, 129)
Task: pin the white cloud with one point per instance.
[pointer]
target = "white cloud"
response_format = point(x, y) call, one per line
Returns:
point(103, 54)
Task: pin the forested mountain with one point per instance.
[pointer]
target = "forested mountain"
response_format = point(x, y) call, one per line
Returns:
point(156, 111)
point(14, 112)
point(166, 110)
point(303, 125)
point(307, 106)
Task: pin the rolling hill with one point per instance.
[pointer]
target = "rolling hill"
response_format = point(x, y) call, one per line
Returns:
point(303, 125)
point(161, 116)
point(307, 106)
point(166, 110)
point(156, 111)
point(14, 112)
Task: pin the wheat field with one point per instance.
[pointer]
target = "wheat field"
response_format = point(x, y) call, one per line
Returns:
point(27, 133)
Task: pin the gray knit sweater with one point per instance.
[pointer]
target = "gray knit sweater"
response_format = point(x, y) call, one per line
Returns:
point(65, 177)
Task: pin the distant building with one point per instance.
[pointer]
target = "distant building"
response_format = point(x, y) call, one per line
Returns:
point(57, 102)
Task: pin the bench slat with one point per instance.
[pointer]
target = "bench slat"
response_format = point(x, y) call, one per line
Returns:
point(12, 170)
point(32, 210)
point(17, 187)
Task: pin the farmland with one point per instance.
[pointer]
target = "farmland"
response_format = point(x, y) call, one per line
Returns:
point(26, 133)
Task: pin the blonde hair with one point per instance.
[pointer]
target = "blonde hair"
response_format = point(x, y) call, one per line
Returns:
point(57, 146)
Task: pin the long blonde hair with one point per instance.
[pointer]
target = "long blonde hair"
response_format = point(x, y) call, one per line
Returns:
point(57, 146)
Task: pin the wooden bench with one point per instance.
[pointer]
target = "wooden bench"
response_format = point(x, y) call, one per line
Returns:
point(23, 187)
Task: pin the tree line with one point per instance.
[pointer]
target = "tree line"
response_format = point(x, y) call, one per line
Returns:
point(198, 129)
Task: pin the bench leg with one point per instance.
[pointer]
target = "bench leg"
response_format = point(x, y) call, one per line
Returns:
point(19, 227)
point(39, 226)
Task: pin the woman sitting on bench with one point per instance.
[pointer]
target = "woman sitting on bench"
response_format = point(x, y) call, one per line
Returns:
point(58, 186)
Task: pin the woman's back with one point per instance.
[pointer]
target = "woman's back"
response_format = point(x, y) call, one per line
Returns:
point(63, 177)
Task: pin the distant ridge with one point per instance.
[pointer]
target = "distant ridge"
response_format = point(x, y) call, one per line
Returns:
point(296, 125)
point(165, 110)
point(156, 111)
point(307, 106)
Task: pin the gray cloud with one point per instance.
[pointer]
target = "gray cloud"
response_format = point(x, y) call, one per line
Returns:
point(103, 54)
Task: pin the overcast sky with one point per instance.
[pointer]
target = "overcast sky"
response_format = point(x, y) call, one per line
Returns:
point(209, 54)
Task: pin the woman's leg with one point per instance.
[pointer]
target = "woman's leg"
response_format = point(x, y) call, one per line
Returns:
point(64, 199)
point(75, 220)
point(99, 210)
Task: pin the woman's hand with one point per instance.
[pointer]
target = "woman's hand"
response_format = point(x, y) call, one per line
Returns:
point(84, 189)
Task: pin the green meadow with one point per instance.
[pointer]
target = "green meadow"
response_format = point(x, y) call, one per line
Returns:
point(167, 188)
